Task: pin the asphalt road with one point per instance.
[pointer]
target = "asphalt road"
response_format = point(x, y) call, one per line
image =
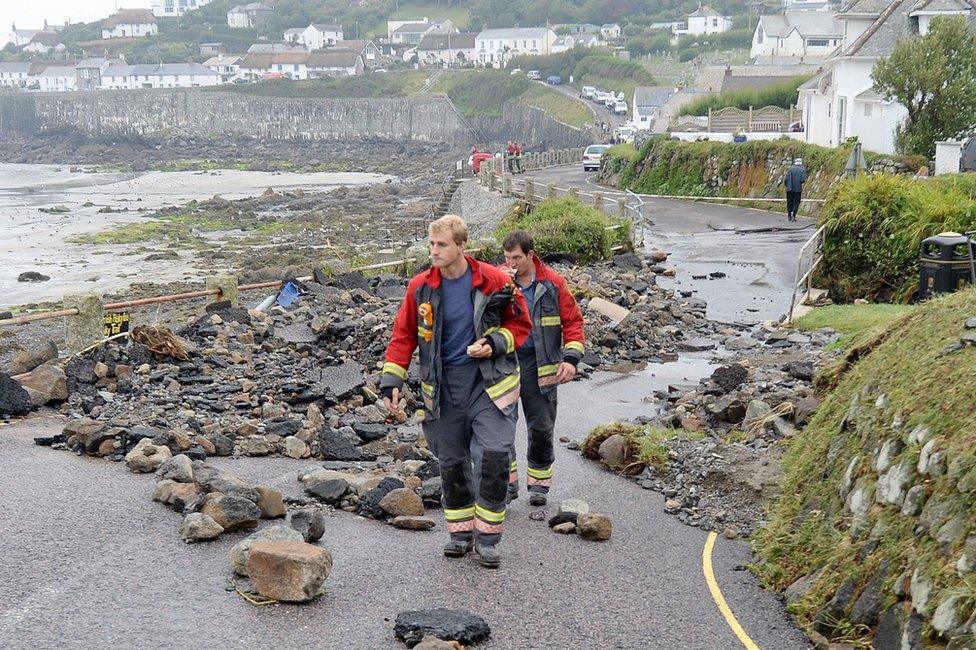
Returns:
point(600, 112)
point(91, 562)
point(756, 249)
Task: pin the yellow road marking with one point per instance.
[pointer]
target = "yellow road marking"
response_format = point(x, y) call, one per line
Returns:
point(719, 598)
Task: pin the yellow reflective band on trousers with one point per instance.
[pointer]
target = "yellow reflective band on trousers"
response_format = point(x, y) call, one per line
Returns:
point(427, 388)
point(505, 385)
point(490, 516)
point(459, 515)
point(395, 369)
point(575, 345)
point(540, 473)
point(545, 371)
point(551, 320)
point(514, 465)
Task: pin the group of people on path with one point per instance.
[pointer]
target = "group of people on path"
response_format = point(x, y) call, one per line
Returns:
point(513, 157)
point(487, 338)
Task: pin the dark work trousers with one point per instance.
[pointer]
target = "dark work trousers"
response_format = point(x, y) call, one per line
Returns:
point(540, 419)
point(472, 440)
point(792, 204)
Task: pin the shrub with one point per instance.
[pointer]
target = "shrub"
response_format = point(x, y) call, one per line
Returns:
point(782, 94)
point(875, 225)
point(567, 226)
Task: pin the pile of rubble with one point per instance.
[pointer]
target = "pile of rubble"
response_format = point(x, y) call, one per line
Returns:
point(723, 461)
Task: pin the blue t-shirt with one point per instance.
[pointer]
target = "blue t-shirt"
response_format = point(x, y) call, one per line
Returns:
point(458, 332)
point(529, 293)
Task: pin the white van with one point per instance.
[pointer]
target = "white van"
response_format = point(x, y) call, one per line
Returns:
point(587, 92)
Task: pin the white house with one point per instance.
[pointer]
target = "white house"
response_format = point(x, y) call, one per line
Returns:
point(14, 75)
point(797, 34)
point(174, 8)
point(334, 62)
point(57, 78)
point(21, 37)
point(647, 104)
point(447, 49)
point(705, 20)
point(166, 75)
point(841, 101)
point(497, 46)
point(228, 66)
point(610, 31)
point(44, 43)
point(130, 23)
point(367, 49)
point(569, 41)
point(317, 37)
point(248, 16)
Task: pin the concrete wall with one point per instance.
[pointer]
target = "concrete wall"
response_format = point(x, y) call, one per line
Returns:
point(188, 112)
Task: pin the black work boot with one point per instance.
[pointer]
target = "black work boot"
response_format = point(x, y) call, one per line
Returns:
point(458, 547)
point(537, 499)
point(512, 494)
point(488, 556)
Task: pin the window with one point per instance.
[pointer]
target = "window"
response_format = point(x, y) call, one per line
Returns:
point(714, 22)
point(818, 42)
point(759, 35)
point(867, 110)
point(841, 111)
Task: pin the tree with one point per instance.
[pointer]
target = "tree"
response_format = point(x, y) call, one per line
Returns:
point(934, 78)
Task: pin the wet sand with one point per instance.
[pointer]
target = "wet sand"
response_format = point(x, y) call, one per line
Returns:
point(35, 241)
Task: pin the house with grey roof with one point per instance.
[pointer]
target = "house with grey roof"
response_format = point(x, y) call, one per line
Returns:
point(88, 72)
point(130, 23)
point(841, 101)
point(801, 36)
point(21, 37)
point(165, 75)
point(45, 43)
point(495, 47)
point(446, 49)
point(57, 78)
point(705, 20)
point(249, 16)
point(647, 105)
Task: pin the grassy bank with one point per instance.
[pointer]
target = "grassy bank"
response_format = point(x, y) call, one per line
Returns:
point(877, 492)
point(852, 321)
point(400, 84)
point(484, 93)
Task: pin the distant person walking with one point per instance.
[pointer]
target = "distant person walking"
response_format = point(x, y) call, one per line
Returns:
point(518, 158)
point(510, 150)
point(794, 179)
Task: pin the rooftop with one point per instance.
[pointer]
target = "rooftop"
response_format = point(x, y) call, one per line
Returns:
point(650, 96)
point(129, 17)
point(894, 23)
point(809, 24)
point(512, 33)
point(447, 41)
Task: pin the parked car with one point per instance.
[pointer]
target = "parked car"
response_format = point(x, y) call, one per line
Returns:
point(516, 70)
point(626, 133)
point(592, 155)
point(554, 80)
point(610, 100)
point(535, 75)
point(620, 108)
point(587, 92)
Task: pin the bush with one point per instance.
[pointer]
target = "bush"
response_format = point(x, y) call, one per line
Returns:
point(567, 226)
point(875, 225)
point(783, 95)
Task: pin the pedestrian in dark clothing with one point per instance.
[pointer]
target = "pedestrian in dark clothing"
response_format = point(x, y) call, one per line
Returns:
point(794, 179)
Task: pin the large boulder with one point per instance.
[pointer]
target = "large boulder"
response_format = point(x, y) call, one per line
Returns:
point(27, 360)
point(242, 549)
point(45, 384)
point(14, 398)
point(289, 571)
point(270, 502)
point(146, 457)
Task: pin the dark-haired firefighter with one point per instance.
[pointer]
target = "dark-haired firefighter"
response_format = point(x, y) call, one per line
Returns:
point(547, 358)
point(467, 320)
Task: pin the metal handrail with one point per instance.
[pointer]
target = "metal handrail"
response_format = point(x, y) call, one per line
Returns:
point(806, 278)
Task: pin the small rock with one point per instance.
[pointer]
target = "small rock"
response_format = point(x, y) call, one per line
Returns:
point(330, 490)
point(565, 528)
point(672, 506)
point(613, 451)
point(232, 512)
point(295, 448)
point(270, 502)
point(402, 502)
point(413, 523)
point(146, 457)
point(310, 522)
point(731, 532)
point(32, 276)
point(198, 527)
point(178, 468)
point(575, 506)
point(594, 526)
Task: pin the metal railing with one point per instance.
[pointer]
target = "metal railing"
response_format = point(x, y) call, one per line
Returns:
point(813, 248)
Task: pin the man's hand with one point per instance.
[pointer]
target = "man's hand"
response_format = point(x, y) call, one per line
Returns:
point(392, 404)
point(566, 372)
point(509, 271)
point(479, 349)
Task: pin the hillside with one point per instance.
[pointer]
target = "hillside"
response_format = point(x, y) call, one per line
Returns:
point(873, 536)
